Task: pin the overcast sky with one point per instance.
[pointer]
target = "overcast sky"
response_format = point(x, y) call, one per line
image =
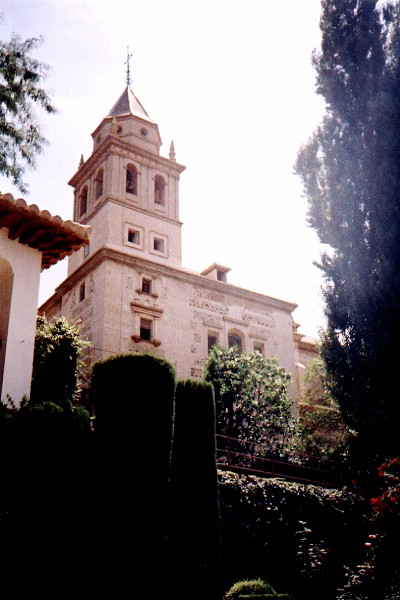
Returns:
point(231, 83)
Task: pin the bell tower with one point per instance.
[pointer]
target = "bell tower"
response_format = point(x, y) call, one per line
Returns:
point(126, 191)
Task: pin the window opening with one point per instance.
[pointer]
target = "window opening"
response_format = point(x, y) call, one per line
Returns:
point(221, 275)
point(159, 190)
point(235, 340)
point(99, 184)
point(212, 340)
point(158, 245)
point(146, 329)
point(83, 202)
point(82, 292)
point(134, 236)
point(146, 286)
point(131, 180)
point(259, 347)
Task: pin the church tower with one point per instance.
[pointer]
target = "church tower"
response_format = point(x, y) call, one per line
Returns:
point(126, 191)
point(129, 195)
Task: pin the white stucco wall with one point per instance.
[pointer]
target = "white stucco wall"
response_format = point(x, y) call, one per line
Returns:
point(17, 351)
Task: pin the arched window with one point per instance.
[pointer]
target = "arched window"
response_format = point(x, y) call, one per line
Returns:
point(131, 180)
point(83, 201)
point(159, 190)
point(234, 339)
point(98, 184)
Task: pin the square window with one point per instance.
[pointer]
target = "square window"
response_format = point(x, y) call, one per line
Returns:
point(146, 329)
point(134, 236)
point(146, 286)
point(158, 245)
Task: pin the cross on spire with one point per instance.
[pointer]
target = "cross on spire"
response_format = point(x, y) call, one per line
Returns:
point(128, 72)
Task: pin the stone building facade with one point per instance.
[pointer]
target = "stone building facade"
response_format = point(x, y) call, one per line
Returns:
point(129, 288)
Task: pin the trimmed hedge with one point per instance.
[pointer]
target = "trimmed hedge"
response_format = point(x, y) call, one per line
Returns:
point(194, 527)
point(133, 399)
point(272, 527)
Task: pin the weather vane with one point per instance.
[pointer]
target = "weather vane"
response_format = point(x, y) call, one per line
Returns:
point(128, 72)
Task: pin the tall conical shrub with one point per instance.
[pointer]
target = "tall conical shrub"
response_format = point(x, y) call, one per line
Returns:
point(194, 486)
point(133, 399)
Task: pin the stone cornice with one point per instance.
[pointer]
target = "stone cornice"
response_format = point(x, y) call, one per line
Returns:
point(113, 144)
point(128, 204)
point(154, 310)
point(155, 268)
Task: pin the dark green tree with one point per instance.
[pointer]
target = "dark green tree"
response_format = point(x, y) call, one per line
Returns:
point(350, 171)
point(21, 138)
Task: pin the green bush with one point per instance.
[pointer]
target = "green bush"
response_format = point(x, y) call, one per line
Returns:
point(56, 362)
point(249, 587)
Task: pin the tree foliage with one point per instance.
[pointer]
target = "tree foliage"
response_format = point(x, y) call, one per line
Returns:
point(21, 138)
point(323, 433)
point(56, 362)
point(350, 170)
point(251, 397)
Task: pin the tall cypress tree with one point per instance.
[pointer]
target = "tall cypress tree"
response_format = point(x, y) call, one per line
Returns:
point(350, 170)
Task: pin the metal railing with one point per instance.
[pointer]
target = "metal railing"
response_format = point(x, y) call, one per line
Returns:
point(254, 459)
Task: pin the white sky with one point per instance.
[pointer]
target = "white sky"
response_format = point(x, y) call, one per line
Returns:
point(231, 83)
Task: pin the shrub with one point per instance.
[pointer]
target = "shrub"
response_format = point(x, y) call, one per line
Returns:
point(133, 399)
point(249, 587)
point(195, 526)
point(270, 527)
point(56, 362)
point(252, 404)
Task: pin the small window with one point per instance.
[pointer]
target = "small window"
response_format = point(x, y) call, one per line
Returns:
point(221, 275)
point(134, 236)
point(159, 190)
point(146, 329)
point(212, 340)
point(86, 251)
point(99, 182)
point(82, 291)
point(158, 245)
point(83, 202)
point(146, 286)
point(235, 340)
point(259, 347)
point(131, 180)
